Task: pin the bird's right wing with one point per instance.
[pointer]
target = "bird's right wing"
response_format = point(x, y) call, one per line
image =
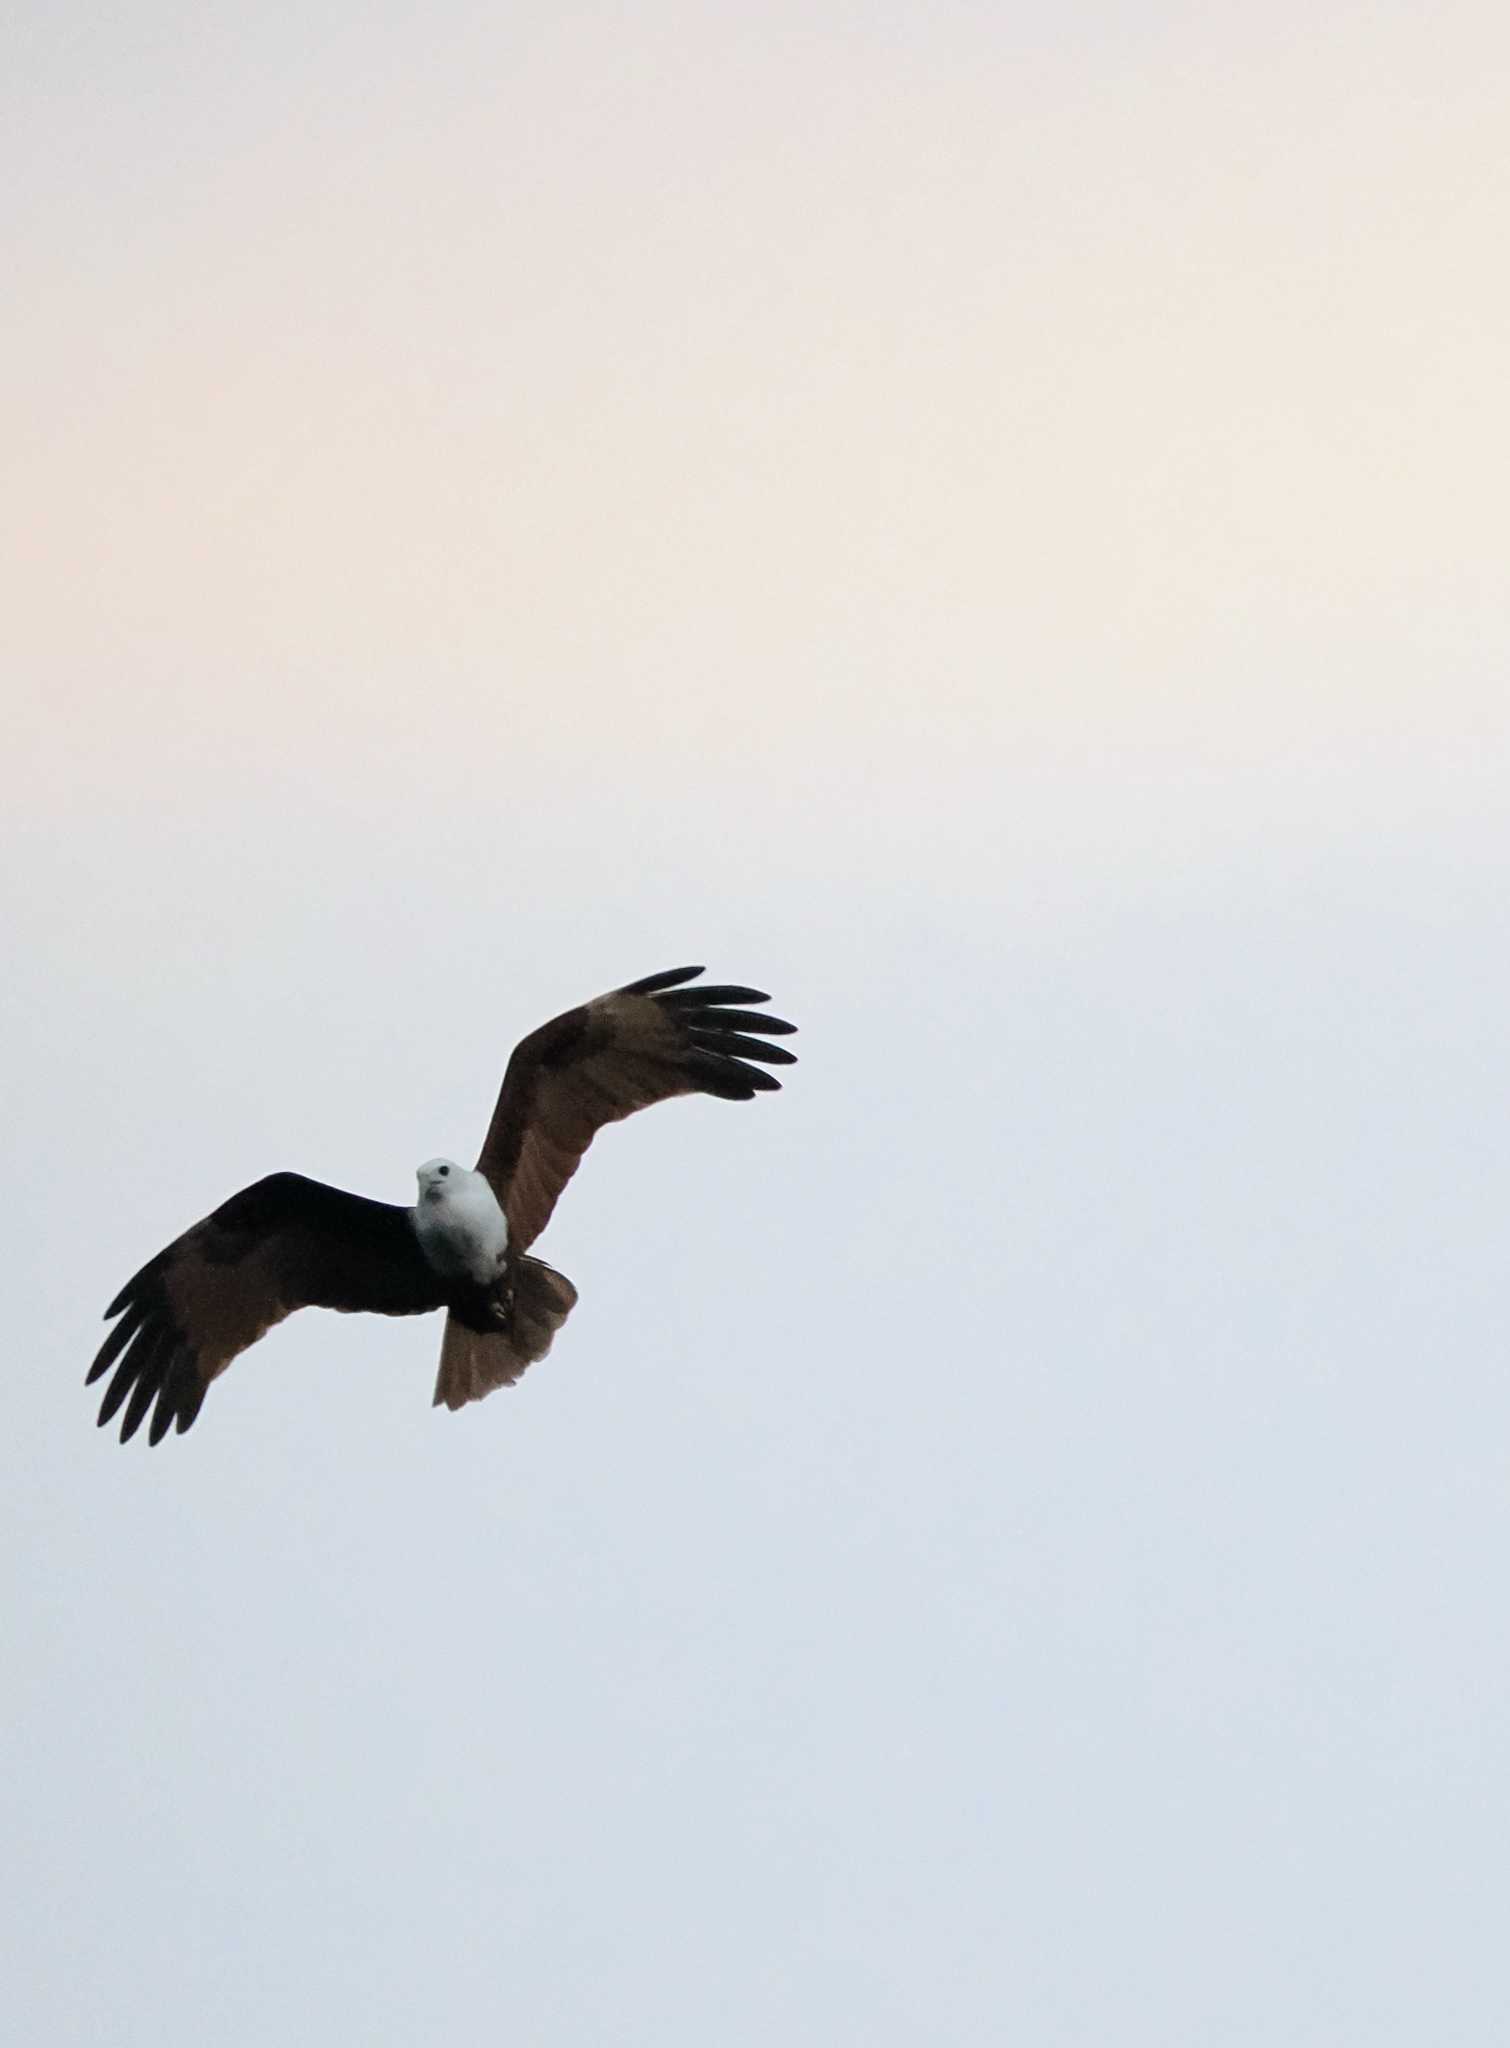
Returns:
point(283, 1244)
point(608, 1058)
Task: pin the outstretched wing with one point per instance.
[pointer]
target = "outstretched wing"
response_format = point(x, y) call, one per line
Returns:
point(606, 1059)
point(283, 1244)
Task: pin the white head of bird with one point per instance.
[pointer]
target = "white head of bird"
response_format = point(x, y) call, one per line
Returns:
point(461, 1229)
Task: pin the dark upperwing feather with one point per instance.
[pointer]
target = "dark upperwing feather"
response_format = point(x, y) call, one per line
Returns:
point(603, 1061)
point(283, 1244)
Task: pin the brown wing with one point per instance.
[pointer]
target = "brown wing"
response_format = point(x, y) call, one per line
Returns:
point(606, 1059)
point(283, 1244)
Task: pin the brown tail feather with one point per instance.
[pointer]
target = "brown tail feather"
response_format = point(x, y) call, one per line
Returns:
point(473, 1362)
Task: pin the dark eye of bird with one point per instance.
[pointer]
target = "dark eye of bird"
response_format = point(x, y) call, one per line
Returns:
point(444, 1171)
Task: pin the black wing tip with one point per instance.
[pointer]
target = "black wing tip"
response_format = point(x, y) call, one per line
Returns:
point(138, 1288)
point(712, 993)
point(668, 987)
point(714, 1028)
point(711, 1038)
point(154, 1371)
point(717, 1073)
point(115, 1342)
point(669, 977)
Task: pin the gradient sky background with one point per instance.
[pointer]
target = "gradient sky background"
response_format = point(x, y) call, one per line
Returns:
point(989, 523)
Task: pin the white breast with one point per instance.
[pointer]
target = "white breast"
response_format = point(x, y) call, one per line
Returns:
point(461, 1229)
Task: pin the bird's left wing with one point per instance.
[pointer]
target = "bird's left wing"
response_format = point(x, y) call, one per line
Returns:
point(283, 1244)
point(606, 1059)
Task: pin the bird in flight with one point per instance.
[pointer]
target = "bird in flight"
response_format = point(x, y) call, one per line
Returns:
point(287, 1243)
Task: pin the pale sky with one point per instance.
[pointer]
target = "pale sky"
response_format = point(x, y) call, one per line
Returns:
point(989, 523)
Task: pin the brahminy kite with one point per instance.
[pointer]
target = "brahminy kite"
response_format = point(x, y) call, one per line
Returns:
point(287, 1243)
